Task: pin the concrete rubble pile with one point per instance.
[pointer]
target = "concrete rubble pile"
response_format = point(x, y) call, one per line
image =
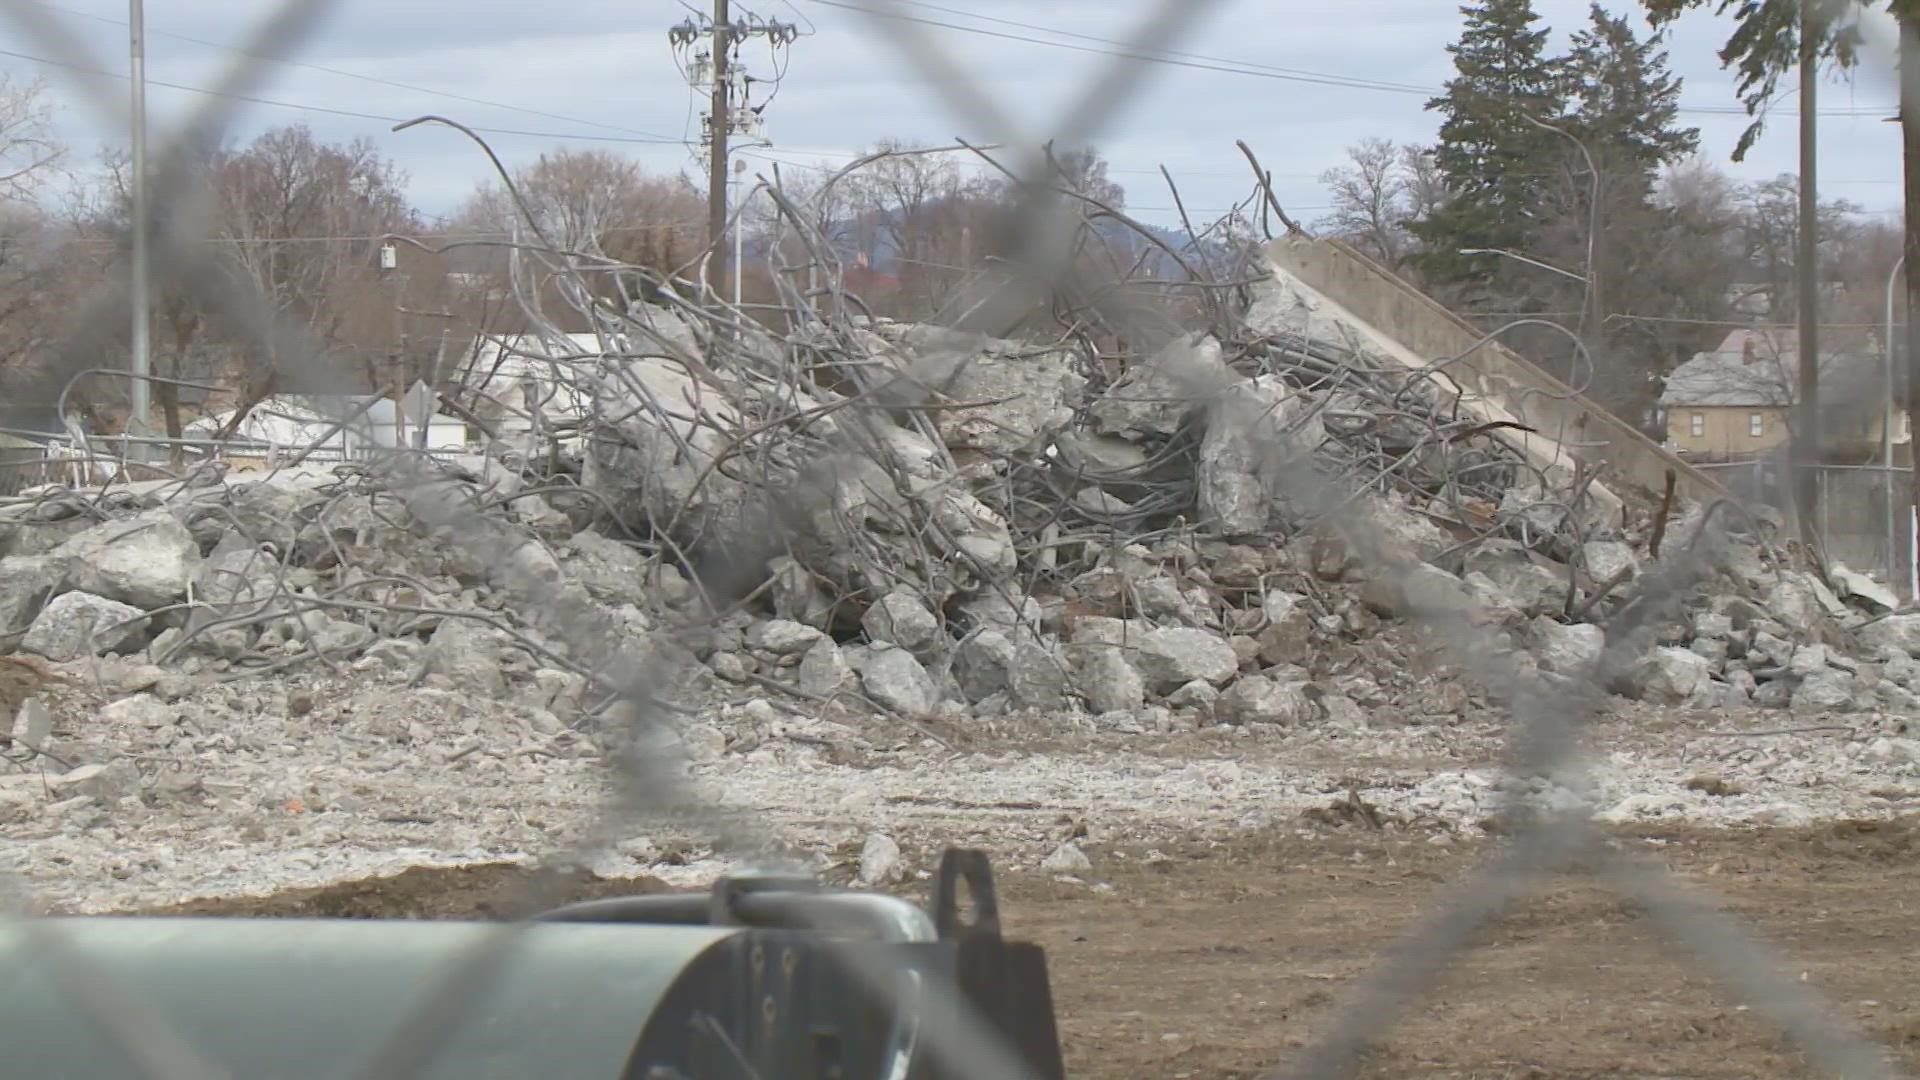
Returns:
point(948, 525)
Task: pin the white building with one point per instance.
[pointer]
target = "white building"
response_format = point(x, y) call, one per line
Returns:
point(294, 422)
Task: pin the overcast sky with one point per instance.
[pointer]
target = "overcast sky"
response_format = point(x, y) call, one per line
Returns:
point(575, 72)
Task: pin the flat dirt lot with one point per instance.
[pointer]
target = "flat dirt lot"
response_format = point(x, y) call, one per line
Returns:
point(1223, 958)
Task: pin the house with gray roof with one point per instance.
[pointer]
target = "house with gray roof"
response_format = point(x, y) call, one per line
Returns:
point(1736, 401)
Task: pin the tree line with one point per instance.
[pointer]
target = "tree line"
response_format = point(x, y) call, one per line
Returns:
point(1563, 187)
point(300, 223)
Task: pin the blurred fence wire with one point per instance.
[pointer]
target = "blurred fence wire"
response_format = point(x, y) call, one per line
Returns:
point(727, 438)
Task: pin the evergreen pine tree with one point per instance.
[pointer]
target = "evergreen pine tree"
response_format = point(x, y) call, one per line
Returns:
point(1625, 102)
point(1491, 157)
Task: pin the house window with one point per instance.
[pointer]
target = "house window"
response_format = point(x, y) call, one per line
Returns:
point(1756, 424)
point(1697, 425)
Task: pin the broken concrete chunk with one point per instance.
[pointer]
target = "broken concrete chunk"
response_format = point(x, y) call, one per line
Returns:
point(824, 670)
point(1773, 651)
point(140, 710)
point(1713, 650)
point(148, 561)
point(1525, 583)
point(33, 724)
point(1067, 859)
point(1198, 695)
point(26, 584)
point(782, 637)
point(1288, 639)
point(1794, 599)
point(1344, 713)
point(1808, 659)
point(1830, 690)
point(1243, 458)
point(1422, 592)
point(1256, 699)
point(1036, 679)
point(1015, 617)
point(893, 678)
point(880, 861)
point(983, 664)
point(1852, 585)
point(1110, 683)
point(1669, 676)
point(466, 654)
point(1893, 635)
point(900, 618)
point(1160, 599)
point(1153, 398)
point(1170, 656)
point(1565, 649)
point(797, 594)
point(1607, 559)
point(236, 578)
point(611, 571)
point(78, 624)
point(106, 783)
point(1708, 624)
point(1005, 404)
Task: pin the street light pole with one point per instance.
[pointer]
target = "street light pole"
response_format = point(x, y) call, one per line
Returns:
point(1889, 417)
point(142, 357)
point(1582, 278)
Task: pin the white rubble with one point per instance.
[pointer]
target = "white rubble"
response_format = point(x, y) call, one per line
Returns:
point(26, 583)
point(234, 794)
point(1172, 656)
point(895, 679)
point(146, 561)
point(1568, 649)
point(880, 861)
point(1672, 676)
point(78, 624)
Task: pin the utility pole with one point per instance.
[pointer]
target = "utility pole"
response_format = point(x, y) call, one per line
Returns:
point(140, 398)
point(730, 112)
point(717, 121)
point(1807, 267)
point(1909, 22)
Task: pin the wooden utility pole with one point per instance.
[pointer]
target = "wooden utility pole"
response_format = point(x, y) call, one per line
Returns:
point(1808, 444)
point(717, 125)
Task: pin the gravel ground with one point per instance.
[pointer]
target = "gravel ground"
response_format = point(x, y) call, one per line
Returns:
point(159, 790)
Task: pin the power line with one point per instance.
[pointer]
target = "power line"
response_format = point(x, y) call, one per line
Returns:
point(351, 74)
point(330, 111)
point(1239, 67)
point(484, 234)
point(1375, 83)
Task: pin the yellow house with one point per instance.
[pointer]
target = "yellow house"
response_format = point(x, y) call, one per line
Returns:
point(1737, 401)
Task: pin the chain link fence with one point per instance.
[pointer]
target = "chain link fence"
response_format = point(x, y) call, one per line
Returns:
point(744, 440)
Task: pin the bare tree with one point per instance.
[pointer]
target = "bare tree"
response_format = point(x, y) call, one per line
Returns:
point(1770, 228)
point(1085, 170)
point(303, 221)
point(38, 261)
point(1372, 200)
point(591, 202)
point(916, 212)
point(29, 154)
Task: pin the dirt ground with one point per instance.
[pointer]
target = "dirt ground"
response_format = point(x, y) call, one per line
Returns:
point(1221, 959)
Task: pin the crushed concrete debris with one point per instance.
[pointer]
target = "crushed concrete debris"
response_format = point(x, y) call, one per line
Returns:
point(322, 665)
